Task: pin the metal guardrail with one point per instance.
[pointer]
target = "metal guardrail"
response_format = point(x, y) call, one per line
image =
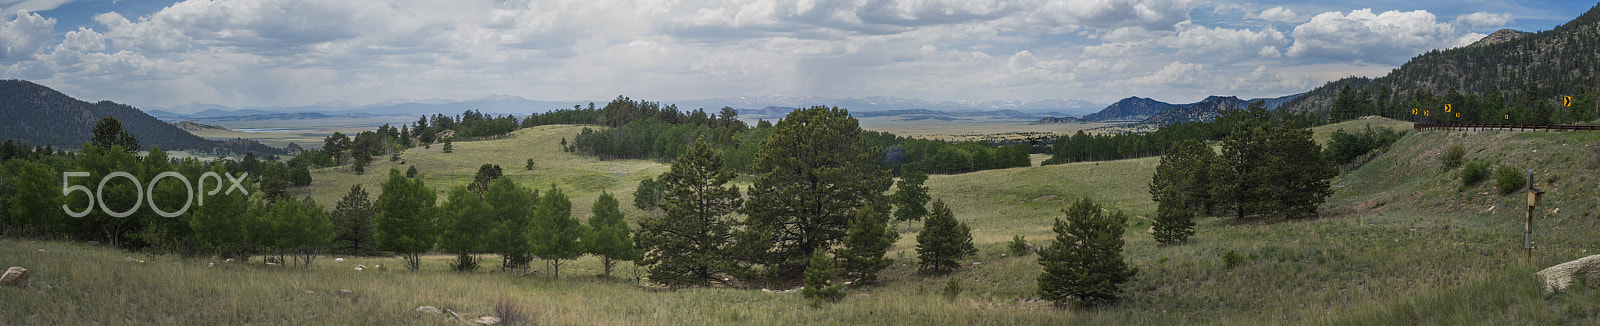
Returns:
point(1509, 127)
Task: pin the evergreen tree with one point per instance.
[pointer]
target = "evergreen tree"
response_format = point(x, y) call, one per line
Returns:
point(411, 172)
point(819, 273)
point(448, 147)
point(647, 196)
point(911, 196)
point(108, 132)
point(1273, 170)
point(352, 221)
point(513, 219)
point(1085, 262)
point(812, 174)
point(690, 244)
point(1181, 188)
point(943, 241)
point(555, 231)
point(406, 218)
point(486, 175)
point(869, 239)
point(609, 236)
point(462, 223)
point(300, 176)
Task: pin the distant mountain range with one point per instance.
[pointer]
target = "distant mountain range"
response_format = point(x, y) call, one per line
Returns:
point(38, 115)
point(1140, 110)
point(504, 104)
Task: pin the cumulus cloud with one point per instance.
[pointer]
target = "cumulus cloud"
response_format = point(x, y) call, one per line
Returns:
point(20, 7)
point(1225, 44)
point(1484, 19)
point(1389, 37)
point(1277, 14)
point(24, 36)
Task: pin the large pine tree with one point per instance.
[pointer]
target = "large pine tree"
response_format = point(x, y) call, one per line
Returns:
point(812, 174)
point(1181, 189)
point(352, 221)
point(1085, 262)
point(690, 245)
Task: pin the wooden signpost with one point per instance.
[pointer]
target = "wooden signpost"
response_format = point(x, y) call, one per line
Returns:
point(1534, 195)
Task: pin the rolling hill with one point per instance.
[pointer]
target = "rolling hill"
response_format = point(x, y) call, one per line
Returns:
point(1564, 61)
point(38, 115)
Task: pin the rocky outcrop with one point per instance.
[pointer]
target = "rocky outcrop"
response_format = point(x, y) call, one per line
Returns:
point(15, 276)
point(1559, 277)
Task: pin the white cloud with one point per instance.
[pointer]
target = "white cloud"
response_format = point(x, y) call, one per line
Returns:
point(1484, 19)
point(1224, 44)
point(20, 7)
point(1390, 37)
point(24, 36)
point(1277, 14)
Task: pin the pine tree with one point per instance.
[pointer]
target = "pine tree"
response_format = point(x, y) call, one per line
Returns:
point(555, 232)
point(513, 218)
point(819, 273)
point(486, 175)
point(462, 223)
point(911, 196)
point(1085, 262)
point(352, 221)
point(609, 236)
point(411, 172)
point(108, 132)
point(406, 218)
point(812, 174)
point(448, 147)
point(869, 239)
point(943, 242)
point(690, 244)
point(1182, 188)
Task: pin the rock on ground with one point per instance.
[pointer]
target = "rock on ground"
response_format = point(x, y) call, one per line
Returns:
point(1557, 278)
point(429, 310)
point(486, 320)
point(15, 276)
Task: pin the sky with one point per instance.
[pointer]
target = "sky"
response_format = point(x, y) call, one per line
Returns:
point(265, 53)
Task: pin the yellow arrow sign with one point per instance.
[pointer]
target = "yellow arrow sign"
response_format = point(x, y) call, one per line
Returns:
point(1566, 101)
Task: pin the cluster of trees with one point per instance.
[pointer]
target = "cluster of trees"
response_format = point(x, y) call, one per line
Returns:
point(815, 207)
point(646, 130)
point(1534, 105)
point(945, 157)
point(1082, 147)
point(33, 185)
point(1265, 170)
point(494, 215)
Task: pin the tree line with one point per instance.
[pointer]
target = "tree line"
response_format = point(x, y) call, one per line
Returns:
point(1082, 147)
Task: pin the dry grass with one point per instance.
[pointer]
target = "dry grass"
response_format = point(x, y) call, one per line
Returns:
point(1400, 243)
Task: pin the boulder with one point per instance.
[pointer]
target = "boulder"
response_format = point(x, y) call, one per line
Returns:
point(1557, 278)
point(486, 320)
point(338, 260)
point(15, 276)
point(429, 310)
point(361, 268)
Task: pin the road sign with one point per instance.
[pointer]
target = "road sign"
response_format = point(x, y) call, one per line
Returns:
point(1566, 101)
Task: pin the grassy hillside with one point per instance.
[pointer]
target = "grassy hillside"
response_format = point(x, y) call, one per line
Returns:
point(1400, 242)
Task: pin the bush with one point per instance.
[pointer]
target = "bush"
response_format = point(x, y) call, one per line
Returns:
point(1345, 147)
point(1232, 259)
point(1019, 247)
point(818, 274)
point(1453, 156)
point(952, 288)
point(1509, 180)
point(1474, 172)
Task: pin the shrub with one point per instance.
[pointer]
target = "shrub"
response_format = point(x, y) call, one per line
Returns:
point(1509, 180)
point(1474, 172)
point(818, 272)
point(1453, 156)
point(1232, 259)
point(952, 288)
point(1019, 247)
